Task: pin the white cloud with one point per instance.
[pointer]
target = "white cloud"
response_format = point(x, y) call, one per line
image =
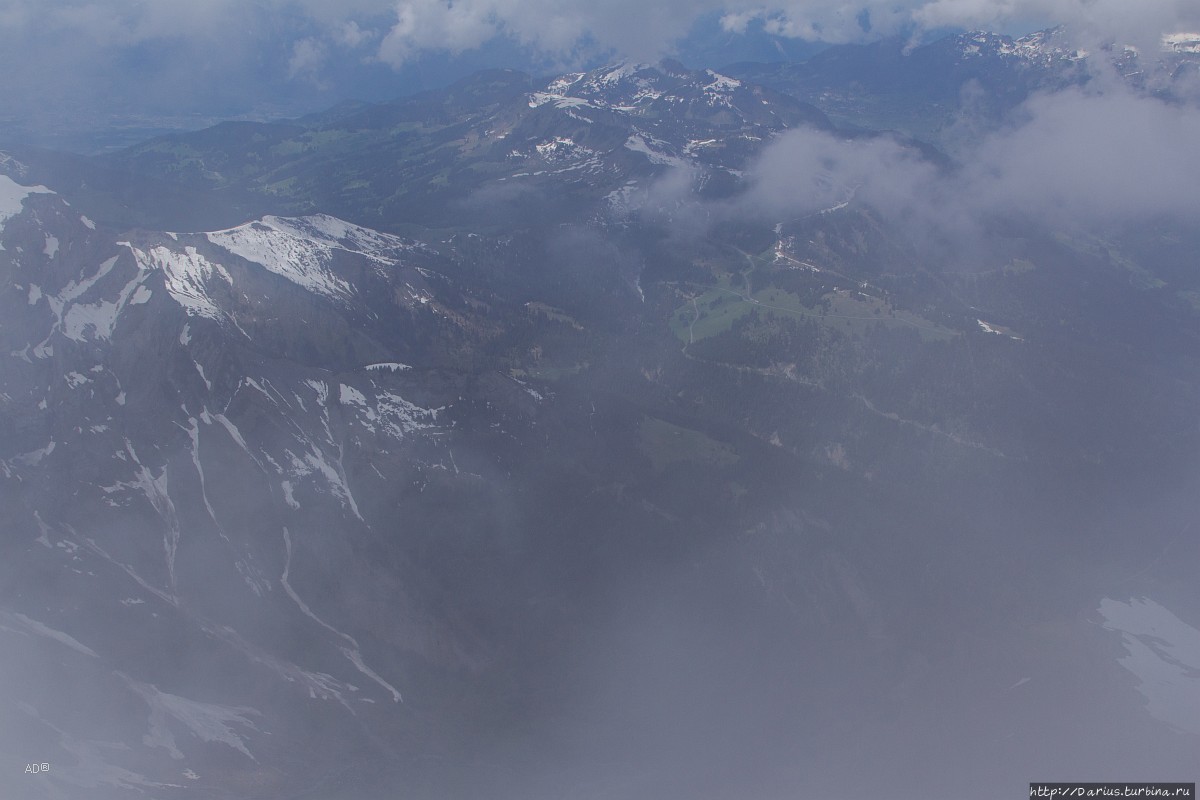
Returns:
point(1102, 156)
point(806, 170)
point(1081, 157)
point(553, 28)
point(639, 29)
point(559, 26)
point(308, 57)
point(349, 34)
point(438, 25)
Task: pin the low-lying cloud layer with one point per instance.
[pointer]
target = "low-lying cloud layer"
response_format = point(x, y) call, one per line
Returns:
point(1086, 157)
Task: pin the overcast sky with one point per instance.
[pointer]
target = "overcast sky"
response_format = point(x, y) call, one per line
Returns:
point(81, 62)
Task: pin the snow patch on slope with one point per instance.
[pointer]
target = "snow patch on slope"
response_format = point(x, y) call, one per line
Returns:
point(721, 83)
point(638, 144)
point(299, 260)
point(562, 149)
point(560, 101)
point(100, 319)
point(190, 277)
point(1181, 43)
point(621, 87)
point(19, 623)
point(206, 721)
point(353, 652)
point(301, 249)
point(157, 493)
point(386, 413)
point(12, 197)
point(1163, 652)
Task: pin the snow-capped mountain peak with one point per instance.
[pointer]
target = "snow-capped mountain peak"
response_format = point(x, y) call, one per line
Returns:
point(302, 249)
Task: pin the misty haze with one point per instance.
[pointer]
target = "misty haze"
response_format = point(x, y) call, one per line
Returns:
point(552, 400)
